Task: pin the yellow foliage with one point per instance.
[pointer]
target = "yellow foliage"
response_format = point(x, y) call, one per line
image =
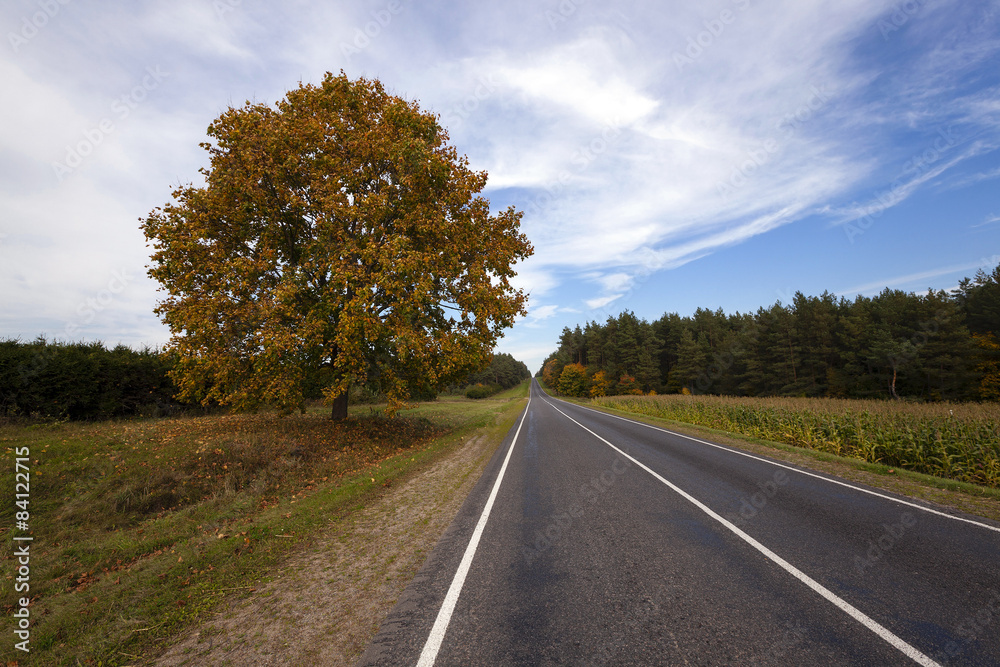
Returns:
point(338, 239)
point(628, 385)
point(573, 380)
point(549, 373)
point(599, 384)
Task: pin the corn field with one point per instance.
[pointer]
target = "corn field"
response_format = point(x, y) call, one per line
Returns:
point(955, 440)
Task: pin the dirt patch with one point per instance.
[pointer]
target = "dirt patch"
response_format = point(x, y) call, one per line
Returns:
point(327, 604)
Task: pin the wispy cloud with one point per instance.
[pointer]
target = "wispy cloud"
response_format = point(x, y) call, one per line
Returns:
point(910, 181)
point(539, 314)
point(909, 280)
point(990, 219)
point(965, 181)
point(602, 301)
point(709, 158)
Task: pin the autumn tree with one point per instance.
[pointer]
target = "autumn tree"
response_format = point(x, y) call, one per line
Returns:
point(338, 239)
point(550, 373)
point(573, 380)
point(600, 384)
point(628, 385)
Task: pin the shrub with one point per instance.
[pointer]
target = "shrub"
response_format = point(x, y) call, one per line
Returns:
point(628, 385)
point(82, 381)
point(482, 390)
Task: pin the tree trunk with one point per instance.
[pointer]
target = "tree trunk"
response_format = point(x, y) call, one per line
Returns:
point(339, 408)
point(791, 357)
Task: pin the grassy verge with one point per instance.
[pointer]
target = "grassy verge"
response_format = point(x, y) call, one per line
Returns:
point(963, 496)
point(141, 529)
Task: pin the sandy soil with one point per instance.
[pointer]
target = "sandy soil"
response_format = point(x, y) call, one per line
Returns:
point(328, 603)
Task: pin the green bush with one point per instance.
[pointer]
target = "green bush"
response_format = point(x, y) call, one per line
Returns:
point(82, 381)
point(482, 390)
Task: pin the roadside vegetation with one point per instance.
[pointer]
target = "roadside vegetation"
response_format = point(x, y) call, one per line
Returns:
point(142, 528)
point(44, 380)
point(503, 373)
point(936, 346)
point(955, 441)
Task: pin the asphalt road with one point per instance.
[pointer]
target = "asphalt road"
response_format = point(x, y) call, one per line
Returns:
point(596, 540)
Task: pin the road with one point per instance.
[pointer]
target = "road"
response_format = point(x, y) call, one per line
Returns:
point(596, 540)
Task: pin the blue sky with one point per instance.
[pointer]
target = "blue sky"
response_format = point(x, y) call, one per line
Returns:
point(667, 155)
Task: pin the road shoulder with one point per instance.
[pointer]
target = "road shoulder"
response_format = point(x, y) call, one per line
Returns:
point(326, 604)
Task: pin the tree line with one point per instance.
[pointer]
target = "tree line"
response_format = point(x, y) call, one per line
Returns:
point(46, 380)
point(503, 372)
point(49, 380)
point(933, 346)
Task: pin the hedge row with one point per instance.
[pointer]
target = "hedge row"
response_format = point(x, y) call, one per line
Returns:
point(82, 381)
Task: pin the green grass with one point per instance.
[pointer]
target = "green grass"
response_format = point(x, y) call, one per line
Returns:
point(955, 441)
point(142, 528)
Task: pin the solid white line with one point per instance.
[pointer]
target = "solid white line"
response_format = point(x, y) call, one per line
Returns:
point(794, 469)
point(842, 604)
point(436, 637)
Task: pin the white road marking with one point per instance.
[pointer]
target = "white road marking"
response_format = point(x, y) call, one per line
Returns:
point(842, 604)
point(436, 637)
point(794, 469)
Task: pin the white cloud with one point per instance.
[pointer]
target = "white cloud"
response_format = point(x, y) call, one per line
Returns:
point(912, 280)
point(613, 282)
point(657, 181)
point(543, 312)
point(584, 78)
point(43, 114)
point(602, 301)
point(201, 27)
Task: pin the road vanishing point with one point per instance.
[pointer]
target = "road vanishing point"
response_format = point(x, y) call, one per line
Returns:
point(593, 539)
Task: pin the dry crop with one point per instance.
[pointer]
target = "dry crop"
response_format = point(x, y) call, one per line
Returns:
point(957, 441)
